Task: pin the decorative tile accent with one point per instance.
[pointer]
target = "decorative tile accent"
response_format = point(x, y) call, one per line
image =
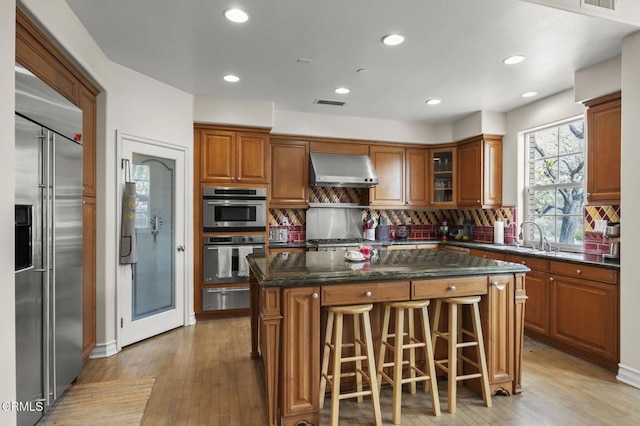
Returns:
point(320, 194)
point(593, 213)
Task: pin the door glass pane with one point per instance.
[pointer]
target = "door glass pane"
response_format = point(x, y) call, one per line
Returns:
point(153, 289)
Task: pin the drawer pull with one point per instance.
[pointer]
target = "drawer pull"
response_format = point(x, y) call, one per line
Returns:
point(368, 294)
point(499, 286)
point(314, 296)
point(578, 271)
point(452, 288)
point(523, 262)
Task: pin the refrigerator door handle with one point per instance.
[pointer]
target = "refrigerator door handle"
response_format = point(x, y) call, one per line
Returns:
point(46, 259)
point(52, 205)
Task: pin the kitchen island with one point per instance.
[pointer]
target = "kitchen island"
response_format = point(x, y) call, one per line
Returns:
point(288, 291)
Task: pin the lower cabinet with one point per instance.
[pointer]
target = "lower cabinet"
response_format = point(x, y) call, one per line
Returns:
point(585, 318)
point(301, 355)
point(536, 313)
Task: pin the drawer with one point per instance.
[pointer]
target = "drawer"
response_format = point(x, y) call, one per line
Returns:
point(487, 254)
point(533, 263)
point(448, 287)
point(353, 294)
point(592, 273)
point(455, 249)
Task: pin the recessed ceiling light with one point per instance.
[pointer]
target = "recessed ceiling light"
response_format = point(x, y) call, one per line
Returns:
point(231, 78)
point(393, 39)
point(433, 101)
point(512, 60)
point(529, 94)
point(236, 15)
point(341, 90)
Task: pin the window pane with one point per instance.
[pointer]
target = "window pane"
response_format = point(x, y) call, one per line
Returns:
point(548, 226)
point(570, 200)
point(545, 172)
point(570, 229)
point(546, 143)
point(571, 168)
point(572, 138)
point(545, 202)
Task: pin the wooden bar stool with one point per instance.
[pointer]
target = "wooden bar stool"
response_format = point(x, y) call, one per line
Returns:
point(334, 347)
point(450, 365)
point(398, 347)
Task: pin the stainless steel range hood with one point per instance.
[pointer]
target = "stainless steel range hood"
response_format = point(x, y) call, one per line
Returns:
point(343, 170)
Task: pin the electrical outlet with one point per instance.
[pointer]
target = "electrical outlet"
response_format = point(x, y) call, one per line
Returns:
point(600, 226)
point(285, 221)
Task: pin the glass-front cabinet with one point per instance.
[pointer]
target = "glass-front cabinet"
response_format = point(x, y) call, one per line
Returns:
point(442, 182)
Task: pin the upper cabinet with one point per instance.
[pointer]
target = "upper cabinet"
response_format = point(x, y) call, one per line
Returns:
point(289, 173)
point(417, 174)
point(389, 164)
point(479, 174)
point(603, 150)
point(442, 180)
point(229, 156)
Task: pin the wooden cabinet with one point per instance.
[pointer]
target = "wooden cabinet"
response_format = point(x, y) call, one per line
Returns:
point(289, 174)
point(479, 174)
point(402, 176)
point(417, 177)
point(603, 150)
point(442, 181)
point(536, 313)
point(88, 276)
point(232, 156)
point(301, 355)
point(486, 254)
point(389, 164)
point(585, 311)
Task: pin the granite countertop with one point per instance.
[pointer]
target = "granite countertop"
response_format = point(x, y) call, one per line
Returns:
point(581, 258)
point(298, 269)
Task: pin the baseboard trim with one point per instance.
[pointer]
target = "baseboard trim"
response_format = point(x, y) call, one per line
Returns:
point(104, 350)
point(629, 376)
point(192, 318)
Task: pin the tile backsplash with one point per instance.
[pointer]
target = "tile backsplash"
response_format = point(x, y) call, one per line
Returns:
point(425, 222)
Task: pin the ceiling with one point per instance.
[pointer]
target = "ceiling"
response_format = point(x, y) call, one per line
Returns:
point(453, 51)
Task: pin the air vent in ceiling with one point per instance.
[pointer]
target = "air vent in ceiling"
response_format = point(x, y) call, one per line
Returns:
point(329, 102)
point(605, 4)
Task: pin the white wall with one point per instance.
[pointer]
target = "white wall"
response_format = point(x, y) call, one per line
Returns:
point(237, 112)
point(545, 111)
point(481, 122)
point(629, 370)
point(131, 103)
point(7, 136)
point(337, 126)
point(598, 80)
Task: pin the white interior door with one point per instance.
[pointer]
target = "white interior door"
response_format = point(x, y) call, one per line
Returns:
point(152, 291)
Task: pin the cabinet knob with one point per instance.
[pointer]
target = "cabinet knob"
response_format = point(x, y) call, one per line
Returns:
point(578, 271)
point(551, 279)
point(499, 286)
point(478, 201)
point(314, 296)
point(484, 255)
point(452, 288)
point(588, 194)
point(523, 262)
point(368, 294)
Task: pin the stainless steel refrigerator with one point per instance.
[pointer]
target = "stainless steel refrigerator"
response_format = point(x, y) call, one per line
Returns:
point(49, 283)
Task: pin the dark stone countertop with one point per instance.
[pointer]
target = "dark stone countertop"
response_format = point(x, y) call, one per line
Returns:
point(317, 268)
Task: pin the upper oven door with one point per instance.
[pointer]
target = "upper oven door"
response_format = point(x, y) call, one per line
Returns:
point(234, 215)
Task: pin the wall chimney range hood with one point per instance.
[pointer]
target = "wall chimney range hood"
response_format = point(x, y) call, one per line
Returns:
point(341, 170)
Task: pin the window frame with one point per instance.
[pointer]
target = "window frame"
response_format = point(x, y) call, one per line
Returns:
point(527, 214)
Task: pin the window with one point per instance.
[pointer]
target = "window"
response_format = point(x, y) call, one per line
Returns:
point(555, 201)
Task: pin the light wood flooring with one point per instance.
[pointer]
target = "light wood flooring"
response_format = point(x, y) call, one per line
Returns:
point(206, 377)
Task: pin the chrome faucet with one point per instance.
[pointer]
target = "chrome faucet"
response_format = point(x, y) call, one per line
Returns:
point(543, 239)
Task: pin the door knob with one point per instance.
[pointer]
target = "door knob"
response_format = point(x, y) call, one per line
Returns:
point(180, 248)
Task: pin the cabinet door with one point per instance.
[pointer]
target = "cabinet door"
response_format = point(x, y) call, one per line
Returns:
point(88, 276)
point(442, 182)
point(584, 315)
point(217, 156)
point(498, 309)
point(252, 155)
point(289, 174)
point(536, 312)
point(470, 174)
point(603, 150)
point(417, 163)
point(87, 103)
point(480, 173)
point(389, 164)
point(301, 352)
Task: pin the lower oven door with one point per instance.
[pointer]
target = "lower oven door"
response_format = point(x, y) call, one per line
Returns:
point(221, 299)
point(210, 261)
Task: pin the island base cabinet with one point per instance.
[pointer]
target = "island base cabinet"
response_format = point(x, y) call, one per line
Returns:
point(301, 356)
point(584, 317)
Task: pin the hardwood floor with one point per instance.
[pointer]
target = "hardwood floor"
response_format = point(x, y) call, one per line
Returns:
point(204, 376)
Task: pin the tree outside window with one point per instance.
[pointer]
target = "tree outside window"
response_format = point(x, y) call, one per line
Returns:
point(556, 183)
